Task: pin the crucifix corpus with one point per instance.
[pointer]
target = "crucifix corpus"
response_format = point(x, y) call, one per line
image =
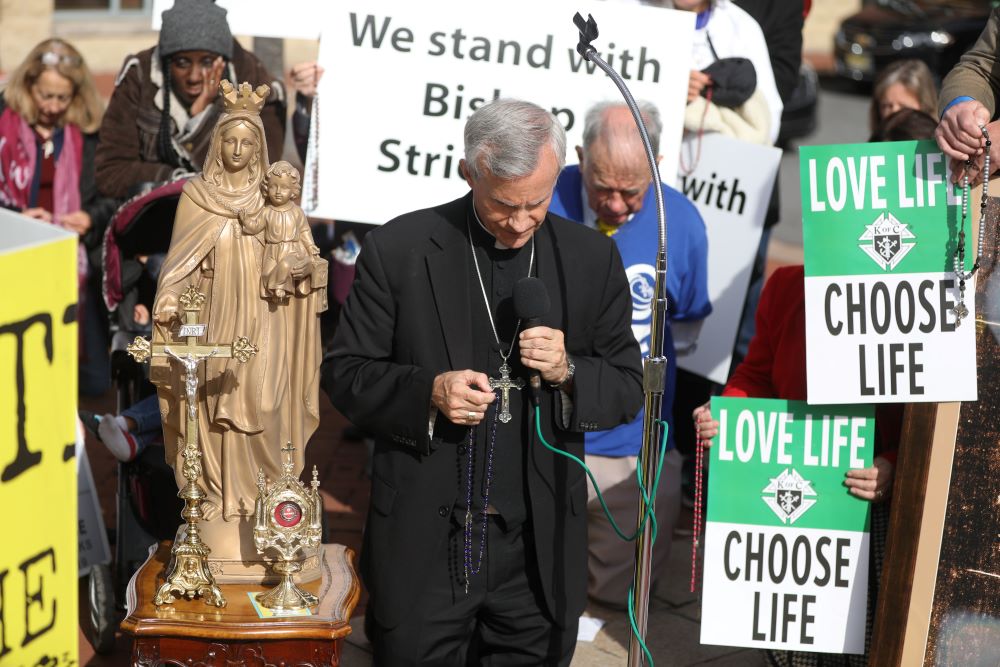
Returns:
point(188, 574)
point(505, 384)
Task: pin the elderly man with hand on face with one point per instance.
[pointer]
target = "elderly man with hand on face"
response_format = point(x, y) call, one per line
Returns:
point(475, 544)
point(610, 191)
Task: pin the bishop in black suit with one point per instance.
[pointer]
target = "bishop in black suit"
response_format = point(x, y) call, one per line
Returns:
point(475, 544)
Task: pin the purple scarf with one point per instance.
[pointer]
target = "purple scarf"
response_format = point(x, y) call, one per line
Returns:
point(17, 170)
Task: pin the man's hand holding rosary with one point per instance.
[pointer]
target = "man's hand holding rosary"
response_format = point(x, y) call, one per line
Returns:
point(462, 396)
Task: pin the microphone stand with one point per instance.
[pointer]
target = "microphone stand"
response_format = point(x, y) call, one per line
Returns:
point(654, 365)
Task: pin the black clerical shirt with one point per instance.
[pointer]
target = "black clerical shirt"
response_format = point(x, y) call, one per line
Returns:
point(500, 268)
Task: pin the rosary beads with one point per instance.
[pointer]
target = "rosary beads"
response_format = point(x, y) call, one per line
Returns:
point(699, 499)
point(960, 308)
point(467, 529)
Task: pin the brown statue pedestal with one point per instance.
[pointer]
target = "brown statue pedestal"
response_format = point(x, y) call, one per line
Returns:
point(191, 632)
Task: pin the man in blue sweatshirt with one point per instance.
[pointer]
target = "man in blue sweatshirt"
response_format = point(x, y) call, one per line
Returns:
point(610, 191)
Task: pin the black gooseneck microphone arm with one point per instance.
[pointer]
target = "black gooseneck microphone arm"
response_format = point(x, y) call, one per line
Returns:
point(654, 365)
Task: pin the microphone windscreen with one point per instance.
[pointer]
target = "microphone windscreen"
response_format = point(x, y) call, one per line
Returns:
point(531, 299)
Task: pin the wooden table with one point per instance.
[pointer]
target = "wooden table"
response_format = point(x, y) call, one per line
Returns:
point(189, 632)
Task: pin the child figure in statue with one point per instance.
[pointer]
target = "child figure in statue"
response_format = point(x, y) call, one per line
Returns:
point(288, 241)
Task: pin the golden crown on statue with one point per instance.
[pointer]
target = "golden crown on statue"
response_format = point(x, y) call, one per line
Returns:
point(244, 98)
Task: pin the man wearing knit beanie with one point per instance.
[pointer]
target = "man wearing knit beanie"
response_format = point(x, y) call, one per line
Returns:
point(196, 40)
point(195, 25)
point(160, 118)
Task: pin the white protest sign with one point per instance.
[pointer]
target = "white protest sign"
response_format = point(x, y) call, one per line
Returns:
point(786, 545)
point(731, 187)
point(263, 18)
point(880, 233)
point(402, 78)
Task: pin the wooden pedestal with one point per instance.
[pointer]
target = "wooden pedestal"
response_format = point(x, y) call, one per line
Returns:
point(189, 632)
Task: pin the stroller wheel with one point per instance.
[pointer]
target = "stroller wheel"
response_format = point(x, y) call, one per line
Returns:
point(100, 630)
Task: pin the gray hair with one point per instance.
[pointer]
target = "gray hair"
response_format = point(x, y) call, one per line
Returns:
point(595, 127)
point(506, 136)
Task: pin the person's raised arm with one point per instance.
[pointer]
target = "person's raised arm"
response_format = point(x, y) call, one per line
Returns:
point(968, 95)
point(958, 133)
point(976, 76)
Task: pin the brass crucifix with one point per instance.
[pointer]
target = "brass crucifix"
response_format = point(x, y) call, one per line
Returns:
point(505, 384)
point(187, 573)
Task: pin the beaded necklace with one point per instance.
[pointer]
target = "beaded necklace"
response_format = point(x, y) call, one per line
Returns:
point(960, 310)
point(699, 498)
point(469, 569)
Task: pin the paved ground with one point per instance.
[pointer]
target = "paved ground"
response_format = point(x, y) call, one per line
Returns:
point(672, 635)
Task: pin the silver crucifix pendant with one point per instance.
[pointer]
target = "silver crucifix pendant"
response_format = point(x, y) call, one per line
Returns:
point(961, 312)
point(505, 384)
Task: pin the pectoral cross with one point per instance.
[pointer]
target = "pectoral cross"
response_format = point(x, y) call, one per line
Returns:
point(505, 384)
point(188, 574)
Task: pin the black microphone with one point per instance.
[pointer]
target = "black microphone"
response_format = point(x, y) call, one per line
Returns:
point(531, 302)
point(588, 33)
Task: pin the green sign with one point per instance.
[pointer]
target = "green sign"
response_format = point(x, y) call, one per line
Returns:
point(762, 439)
point(880, 229)
point(849, 193)
point(786, 544)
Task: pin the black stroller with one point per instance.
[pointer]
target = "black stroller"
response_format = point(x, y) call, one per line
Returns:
point(148, 509)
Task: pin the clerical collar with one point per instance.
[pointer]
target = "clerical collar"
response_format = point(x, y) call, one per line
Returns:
point(496, 242)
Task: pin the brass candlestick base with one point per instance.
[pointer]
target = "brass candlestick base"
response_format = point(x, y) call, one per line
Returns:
point(187, 574)
point(287, 518)
point(286, 595)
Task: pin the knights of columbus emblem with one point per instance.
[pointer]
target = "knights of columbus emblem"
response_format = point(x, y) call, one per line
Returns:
point(789, 496)
point(885, 241)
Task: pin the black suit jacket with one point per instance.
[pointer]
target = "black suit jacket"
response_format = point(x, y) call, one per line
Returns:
point(781, 22)
point(407, 319)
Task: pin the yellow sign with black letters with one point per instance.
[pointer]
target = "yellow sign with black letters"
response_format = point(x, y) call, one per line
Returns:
point(38, 392)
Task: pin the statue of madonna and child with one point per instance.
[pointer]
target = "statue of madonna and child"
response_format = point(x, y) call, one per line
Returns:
point(240, 240)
